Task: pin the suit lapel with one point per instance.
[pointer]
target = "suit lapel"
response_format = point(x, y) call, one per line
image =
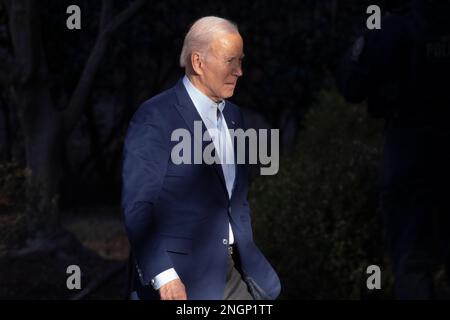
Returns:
point(189, 113)
point(186, 108)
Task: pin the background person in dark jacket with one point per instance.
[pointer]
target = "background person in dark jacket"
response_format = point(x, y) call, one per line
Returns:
point(403, 69)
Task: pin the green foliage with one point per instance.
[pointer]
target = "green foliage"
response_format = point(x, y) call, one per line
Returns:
point(317, 219)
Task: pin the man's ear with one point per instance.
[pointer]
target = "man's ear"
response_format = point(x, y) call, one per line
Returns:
point(197, 63)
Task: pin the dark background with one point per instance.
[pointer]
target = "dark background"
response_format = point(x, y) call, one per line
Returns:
point(66, 98)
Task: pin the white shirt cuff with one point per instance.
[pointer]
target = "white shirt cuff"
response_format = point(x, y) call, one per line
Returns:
point(163, 278)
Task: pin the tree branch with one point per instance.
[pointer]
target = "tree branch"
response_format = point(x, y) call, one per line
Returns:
point(7, 4)
point(8, 69)
point(80, 95)
point(24, 26)
point(106, 14)
point(8, 65)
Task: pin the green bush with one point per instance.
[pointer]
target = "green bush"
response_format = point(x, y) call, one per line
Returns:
point(318, 219)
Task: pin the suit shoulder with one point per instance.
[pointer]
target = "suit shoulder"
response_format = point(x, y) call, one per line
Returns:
point(156, 107)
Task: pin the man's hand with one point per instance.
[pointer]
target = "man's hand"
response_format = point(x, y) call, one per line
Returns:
point(173, 290)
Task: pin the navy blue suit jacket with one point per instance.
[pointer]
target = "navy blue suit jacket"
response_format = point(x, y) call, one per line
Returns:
point(177, 216)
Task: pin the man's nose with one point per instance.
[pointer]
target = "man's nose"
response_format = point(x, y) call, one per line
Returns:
point(238, 71)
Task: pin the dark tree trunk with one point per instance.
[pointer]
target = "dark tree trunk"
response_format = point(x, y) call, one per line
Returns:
point(39, 120)
point(44, 143)
point(7, 139)
point(46, 128)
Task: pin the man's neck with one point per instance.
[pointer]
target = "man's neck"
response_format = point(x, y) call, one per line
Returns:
point(198, 84)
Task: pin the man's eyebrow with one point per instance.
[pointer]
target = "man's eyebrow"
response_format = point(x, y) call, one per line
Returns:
point(235, 57)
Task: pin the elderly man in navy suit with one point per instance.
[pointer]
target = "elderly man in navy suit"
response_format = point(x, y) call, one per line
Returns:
point(189, 224)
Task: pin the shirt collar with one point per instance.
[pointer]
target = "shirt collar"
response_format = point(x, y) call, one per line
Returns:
point(206, 107)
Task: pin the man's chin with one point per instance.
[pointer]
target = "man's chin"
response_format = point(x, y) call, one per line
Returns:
point(228, 94)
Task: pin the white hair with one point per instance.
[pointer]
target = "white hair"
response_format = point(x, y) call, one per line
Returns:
point(202, 33)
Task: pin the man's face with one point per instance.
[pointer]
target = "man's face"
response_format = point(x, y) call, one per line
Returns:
point(222, 66)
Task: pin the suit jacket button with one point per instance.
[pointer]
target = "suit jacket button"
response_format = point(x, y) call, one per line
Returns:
point(225, 241)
